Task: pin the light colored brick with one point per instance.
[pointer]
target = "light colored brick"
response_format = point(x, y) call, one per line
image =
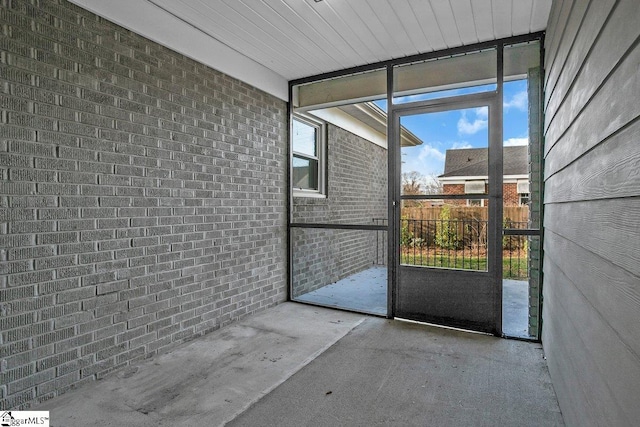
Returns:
point(104, 197)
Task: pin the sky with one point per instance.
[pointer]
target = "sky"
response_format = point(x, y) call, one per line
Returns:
point(461, 129)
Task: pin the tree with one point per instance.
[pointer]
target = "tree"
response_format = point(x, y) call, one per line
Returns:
point(412, 183)
point(412, 186)
point(432, 184)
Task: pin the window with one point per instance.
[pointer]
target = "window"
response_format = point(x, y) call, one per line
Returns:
point(474, 187)
point(308, 147)
point(523, 192)
point(523, 187)
point(475, 202)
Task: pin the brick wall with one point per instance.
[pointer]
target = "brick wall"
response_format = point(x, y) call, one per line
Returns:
point(142, 201)
point(509, 193)
point(357, 193)
point(454, 189)
point(510, 196)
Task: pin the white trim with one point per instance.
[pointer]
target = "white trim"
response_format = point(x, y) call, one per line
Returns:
point(367, 127)
point(462, 179)
point(347, 122)
point(321, 156)
point(297, 192)
point(152, 22)
point(507, 179)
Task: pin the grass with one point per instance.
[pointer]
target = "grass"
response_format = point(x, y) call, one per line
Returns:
point(512, 267)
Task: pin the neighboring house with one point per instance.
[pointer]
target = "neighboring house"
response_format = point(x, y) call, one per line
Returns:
point(466, 172)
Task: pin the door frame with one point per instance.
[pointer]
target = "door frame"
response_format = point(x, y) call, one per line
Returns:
point(493, 101)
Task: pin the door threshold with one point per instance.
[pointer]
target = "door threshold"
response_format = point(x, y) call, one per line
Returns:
point(442, 326)
point(341, 308)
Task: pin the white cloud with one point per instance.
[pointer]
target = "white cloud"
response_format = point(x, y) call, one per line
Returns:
point(520, 101)
point(429, 152)
point(466, 127)
point(482, 113)
point(409, 98)
point(425, 159)
point(515, 141)
point(461, 144)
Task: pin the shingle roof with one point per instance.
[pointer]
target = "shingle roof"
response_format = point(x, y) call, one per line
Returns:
point(474, 162)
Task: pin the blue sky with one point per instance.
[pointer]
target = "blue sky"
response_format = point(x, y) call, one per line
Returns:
point(462, 129)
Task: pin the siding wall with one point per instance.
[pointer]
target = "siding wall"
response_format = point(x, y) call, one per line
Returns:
point(591, 306)
point(356, 194)
point(142, 200)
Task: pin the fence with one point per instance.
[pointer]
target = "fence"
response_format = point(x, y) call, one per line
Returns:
point(456, 237)
point(510, 213)
point(381, 243)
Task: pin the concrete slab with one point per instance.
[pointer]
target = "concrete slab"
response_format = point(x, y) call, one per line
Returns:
point(365, 292)
point(393, 373)
point(515, 308)
point(208, 381)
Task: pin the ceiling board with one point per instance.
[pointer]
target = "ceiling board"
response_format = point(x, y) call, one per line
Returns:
point(337, 34)
point(465, 23)
point(483, 20)
point(220, 22)
point(502, 18)
point(270, 24)
point(297, 29)
point(389, 19)
point(521, 14)
point(446, 22)
point(429, 23)
point(411, 24)
point(342, 11)
point(362, 10)
point(299, 38)
point(539, 15)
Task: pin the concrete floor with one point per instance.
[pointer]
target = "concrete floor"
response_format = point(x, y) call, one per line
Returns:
point(300, 365)
point(515, 308)
point(391, 373)
point(210, 380)
point(366, 292)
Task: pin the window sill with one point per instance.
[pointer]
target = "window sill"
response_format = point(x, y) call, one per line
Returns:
point(309, 194)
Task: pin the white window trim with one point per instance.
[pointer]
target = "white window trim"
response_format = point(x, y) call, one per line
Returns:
point(321, 128)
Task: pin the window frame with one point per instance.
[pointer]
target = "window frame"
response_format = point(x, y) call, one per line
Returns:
point(470, 203)
point(321, 156)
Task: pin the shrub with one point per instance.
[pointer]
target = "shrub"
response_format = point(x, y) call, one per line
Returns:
point(446, 232)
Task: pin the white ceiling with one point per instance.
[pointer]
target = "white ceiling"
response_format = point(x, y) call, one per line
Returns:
point(273, 41)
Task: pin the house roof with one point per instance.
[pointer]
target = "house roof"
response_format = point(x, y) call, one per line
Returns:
point(475, 162)
point(366, 120)
point(375, 117)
